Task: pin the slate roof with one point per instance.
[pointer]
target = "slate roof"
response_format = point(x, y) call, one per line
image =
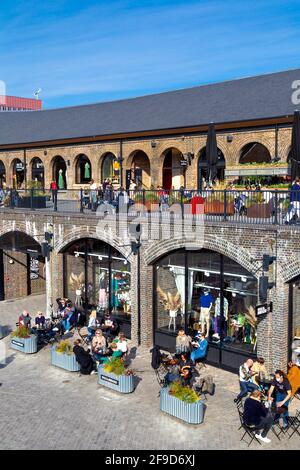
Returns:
point(250, 98)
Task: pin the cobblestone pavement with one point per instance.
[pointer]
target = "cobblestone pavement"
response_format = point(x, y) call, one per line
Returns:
point(43, 407)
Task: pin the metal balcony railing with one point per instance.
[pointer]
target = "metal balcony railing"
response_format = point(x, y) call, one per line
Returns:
point(275, 207)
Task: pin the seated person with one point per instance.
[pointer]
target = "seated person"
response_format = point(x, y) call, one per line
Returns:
point(201, 348)
point(245, 377)
point(185, 369)
point(83, 358)
point(183, 342)
point(113, 352)
point(173, 373)
point(40, 320)
point(92, 323)
point(62, 303)
point(293, 377)
point(25, 319)
point(258, 369)
point(99, 345)
point(121, 343)
point(108, 325)
point(257, 415)
point(283, 390)
point(70, 318)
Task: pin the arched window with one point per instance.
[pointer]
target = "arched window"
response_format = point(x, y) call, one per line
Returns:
point(203, 169)
point(110, 169)
point(255, 152)
point(98, 276)
point(59, 172)
point(191, 288)
point(37, 171)
point(173, 173)
point(140, 169)
point(2, 174)
point(18, 173)
point(83, 170)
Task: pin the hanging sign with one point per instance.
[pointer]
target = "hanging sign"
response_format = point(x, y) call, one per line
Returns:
point(34, 268)
point(263, 309)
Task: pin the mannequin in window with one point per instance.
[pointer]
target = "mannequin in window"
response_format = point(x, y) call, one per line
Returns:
point(218, 322)
point(102, 290)
point(61, 183)
point(87, 171)
point(206, 301)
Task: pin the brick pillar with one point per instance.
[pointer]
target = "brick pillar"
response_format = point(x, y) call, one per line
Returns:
point(279, 318)
point(146, 305)
point(134, 300)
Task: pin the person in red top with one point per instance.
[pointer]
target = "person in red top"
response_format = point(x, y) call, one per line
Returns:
point(54, 189)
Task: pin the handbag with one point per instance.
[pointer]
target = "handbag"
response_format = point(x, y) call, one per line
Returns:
point(196, 326)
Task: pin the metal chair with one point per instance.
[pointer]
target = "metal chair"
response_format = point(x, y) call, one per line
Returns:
point(249, 430)
point(295, 424)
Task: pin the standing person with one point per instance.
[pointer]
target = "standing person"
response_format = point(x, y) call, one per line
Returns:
point(54, 189)
point(245, 377)
point(93, 195)
point(294, 202)
point(256, 414)
point(283, 391)
point(92, 323)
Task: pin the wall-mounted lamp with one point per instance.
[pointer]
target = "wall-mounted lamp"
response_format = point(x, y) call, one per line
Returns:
point(68, 163)
point(229, 138)
point(153, 144)
point(45, 152)
point(11, 261)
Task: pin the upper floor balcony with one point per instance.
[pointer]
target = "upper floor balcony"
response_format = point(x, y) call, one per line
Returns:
point(263, 207)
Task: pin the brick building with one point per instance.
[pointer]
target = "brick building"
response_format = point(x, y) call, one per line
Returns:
point(148, 138)
point(15, 103)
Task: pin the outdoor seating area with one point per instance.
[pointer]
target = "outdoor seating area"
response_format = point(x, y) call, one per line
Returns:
point(267, 407)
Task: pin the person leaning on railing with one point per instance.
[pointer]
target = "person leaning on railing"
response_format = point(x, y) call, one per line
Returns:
point(294, 202)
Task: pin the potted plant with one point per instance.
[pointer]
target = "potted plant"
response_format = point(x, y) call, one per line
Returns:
point(62, 356)
point(114, 375)
point(23, 341)
point(34, 196)
point(214, 204)
point(151, 197)
point(182, 402)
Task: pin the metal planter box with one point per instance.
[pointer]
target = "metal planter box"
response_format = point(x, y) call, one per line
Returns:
point(119, 383)
point(192, 413)
point(25, 345)
point(64, 361)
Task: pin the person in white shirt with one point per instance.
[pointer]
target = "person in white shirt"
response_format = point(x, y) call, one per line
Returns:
point(121, 343)
point(246, 383)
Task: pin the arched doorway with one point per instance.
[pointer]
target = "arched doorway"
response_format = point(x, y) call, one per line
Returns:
point(2, 175)
point(254, 152)
point(22, 268)
point(140, 169)
point(232, 336)
point(18, 173)
point(203, 168)
point(83, 170)
point(59, 172)
point(173, 172)
point(37, 171)
point(96, 275)
point(110, 169)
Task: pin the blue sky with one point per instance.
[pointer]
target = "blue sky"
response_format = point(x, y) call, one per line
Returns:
point(82, 52)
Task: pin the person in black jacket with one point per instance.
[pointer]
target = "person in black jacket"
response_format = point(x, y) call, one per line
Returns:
point(84, 359)
point(256, 414)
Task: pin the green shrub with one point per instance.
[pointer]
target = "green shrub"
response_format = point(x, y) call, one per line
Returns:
point(183, 393)
point(115, 366)
point(21, 332)
point(64, 347)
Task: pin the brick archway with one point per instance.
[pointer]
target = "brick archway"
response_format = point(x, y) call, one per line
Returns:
point(242, 257)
